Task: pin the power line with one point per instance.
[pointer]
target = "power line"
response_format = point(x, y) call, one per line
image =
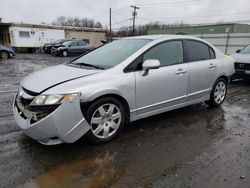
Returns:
point(114, 12)
point(122, 21)
point(187, 17)
point(178, 2)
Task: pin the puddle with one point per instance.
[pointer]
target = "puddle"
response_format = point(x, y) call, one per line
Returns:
point(90, 173)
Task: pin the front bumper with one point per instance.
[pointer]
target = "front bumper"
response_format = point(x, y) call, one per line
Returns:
point(241, 74)
point(64, 125)
point(12, 54)
point(55, 51)
point(47, 48)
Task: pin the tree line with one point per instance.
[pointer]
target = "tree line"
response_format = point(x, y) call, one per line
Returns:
point(76, 22)
point(123, 31)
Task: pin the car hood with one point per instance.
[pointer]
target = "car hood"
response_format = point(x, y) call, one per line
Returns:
point(57, 45)
point(48, 44)
point(241, 58)
point(44, 79)
point(5, 48)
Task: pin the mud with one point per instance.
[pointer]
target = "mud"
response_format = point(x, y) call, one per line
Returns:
point(194, 146)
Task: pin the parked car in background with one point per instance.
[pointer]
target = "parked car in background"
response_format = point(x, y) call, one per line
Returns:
point(47, 47)
point(71, 48)
point(6, 52)
point(242, 62)
point(122, 81)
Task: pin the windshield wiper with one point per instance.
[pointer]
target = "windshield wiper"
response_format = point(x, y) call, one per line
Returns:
point(87, 65)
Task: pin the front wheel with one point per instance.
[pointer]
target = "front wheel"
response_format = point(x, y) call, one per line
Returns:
point(218, 93)
point(106, 118)
point(65, 53)
point(4, 55)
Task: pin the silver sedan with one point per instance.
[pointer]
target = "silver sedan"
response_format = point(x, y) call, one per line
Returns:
point(123, 81)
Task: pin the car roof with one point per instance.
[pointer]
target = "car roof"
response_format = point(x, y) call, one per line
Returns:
point(167, 37)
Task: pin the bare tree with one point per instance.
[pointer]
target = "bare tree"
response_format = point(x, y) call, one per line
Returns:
point(76, 22)
point(142, 29)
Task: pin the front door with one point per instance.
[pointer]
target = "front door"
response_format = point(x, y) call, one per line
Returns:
point(165, 87)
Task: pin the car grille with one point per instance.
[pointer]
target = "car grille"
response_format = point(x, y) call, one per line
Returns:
point(34, 113)
point(242, 66)
point(24, 101)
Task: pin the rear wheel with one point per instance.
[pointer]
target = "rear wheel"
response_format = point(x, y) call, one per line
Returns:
point(218, 93)
point(4, 55)
point(64, 53)
point(106, 118)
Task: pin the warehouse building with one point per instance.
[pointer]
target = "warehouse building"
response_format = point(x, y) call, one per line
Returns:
point(30, 36)
point(227, 37)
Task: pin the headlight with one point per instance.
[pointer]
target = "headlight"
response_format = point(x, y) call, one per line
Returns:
point(52, 99)
point(60, 48)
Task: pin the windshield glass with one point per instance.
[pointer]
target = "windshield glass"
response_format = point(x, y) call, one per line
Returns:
point(113, 53)
point(246, 50)
point(67, 43)
point(58, 41)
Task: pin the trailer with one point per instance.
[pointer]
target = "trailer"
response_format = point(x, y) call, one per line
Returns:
point(27, 37)
point(32, 37)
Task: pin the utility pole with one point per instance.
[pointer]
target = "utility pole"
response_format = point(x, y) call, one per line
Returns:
point(134, 14)
point(110, 29)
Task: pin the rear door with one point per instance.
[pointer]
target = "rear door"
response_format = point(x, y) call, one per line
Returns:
point(202, 68)
point(83, 47)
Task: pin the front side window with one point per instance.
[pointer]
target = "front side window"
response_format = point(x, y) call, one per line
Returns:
point(197, 51)
point(70, 43)
point(168, 53)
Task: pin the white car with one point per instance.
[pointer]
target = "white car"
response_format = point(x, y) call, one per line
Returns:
point(242, 62)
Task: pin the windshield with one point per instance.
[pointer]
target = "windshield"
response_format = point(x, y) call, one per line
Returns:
point(58, 41)
point(113, 53)
point(67, 43)
point(245, 50)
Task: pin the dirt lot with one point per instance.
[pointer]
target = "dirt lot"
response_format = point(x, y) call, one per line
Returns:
point(194, 146)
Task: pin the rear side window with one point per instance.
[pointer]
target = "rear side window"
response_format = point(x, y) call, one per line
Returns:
point(82, 43)
point(212, 54)
point(198, 51)
point(168, 53)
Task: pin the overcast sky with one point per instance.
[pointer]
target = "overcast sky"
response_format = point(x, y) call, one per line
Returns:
point(168, 11)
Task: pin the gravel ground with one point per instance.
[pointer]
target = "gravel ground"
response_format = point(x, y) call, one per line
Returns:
point(195, 146)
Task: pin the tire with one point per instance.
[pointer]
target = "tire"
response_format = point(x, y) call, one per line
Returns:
point(104, 127)
point(64, 53)
point(4, 55)
point(218, 93)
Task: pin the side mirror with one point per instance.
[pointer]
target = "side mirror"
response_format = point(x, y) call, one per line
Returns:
point(238, 51)
point(150, 64)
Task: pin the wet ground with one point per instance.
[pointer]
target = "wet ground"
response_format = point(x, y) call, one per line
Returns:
point(194, 146)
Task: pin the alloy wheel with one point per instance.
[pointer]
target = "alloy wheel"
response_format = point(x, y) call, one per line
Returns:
point(220, 92)
point(106, 120)
point(4, 55)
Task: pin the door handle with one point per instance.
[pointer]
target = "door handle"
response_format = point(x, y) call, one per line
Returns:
point(180, 71)
point(212, 66)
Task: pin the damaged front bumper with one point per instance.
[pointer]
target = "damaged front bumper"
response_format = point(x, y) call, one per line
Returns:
point(65, 124)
